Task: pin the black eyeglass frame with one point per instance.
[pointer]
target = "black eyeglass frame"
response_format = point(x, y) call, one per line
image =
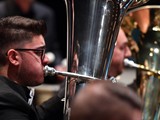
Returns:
point(39, 50)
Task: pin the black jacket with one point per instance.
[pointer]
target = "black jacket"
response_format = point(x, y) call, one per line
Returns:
point(14, 104)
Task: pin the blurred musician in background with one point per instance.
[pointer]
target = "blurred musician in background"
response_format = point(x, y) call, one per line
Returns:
point(121, 51)
point(103, 100)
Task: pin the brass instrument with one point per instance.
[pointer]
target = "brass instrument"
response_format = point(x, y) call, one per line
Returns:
point(92, 29)
point(148, 57)
point(92, 26)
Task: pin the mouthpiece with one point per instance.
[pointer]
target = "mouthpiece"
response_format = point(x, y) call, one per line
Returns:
point(49, 71)
point(131, 63)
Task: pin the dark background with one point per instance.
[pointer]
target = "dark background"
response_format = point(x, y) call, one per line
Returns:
point(60, 11)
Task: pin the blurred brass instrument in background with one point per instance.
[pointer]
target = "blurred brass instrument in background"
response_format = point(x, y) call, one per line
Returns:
point(147, 35)
point(131, 63)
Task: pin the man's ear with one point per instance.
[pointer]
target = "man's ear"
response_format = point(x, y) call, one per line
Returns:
point(13, 57)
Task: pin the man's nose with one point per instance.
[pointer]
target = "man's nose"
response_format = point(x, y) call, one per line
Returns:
point(45, 61)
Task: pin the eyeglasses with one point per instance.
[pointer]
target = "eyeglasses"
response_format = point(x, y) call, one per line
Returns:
point(39, 52)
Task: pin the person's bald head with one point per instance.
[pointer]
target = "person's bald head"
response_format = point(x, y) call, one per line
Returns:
point(103, 100)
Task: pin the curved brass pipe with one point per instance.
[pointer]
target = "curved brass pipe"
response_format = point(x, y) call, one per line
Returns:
point(51, 71)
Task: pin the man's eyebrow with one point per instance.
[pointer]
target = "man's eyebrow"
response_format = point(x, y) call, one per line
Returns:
point(41, 47)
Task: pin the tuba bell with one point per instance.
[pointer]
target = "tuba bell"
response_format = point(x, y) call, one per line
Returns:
point(92, 29)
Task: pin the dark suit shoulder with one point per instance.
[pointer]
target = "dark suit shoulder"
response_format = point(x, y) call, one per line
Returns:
point(12, 103)
point(10, 92)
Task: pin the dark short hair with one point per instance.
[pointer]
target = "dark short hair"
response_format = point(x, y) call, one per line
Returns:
point(16, 30)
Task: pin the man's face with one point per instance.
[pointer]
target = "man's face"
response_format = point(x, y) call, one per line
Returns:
point(32, 63)
point(121, 52)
